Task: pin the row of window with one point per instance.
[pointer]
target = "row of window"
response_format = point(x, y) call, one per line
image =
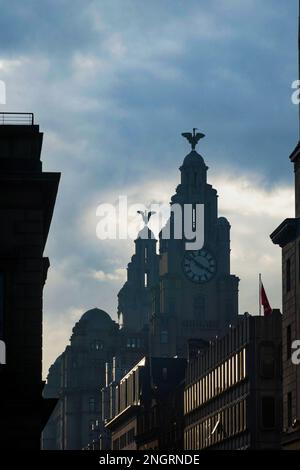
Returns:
point(215, 382)
point(219, 349)
point(133, 343)
point(127, 392)
point(124, 440)
point(224, 424)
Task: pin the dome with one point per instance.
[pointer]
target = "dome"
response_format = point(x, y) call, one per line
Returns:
point(194, 159)
point(146, 234)
point(96, 317)
point(223, 221)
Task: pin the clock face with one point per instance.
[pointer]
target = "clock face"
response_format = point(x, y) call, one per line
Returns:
point(199, 266)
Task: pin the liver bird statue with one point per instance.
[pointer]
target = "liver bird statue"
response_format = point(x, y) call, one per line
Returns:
point(146, 216)
point(193, 138)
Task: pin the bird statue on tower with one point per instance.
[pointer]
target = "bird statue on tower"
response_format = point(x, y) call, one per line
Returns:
point(194, 137)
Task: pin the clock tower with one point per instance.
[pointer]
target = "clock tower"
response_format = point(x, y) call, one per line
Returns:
point(197, 296)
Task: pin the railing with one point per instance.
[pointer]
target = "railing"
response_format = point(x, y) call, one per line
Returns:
point(23, 119)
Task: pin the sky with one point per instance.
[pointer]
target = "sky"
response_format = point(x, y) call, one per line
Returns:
point(113, 83)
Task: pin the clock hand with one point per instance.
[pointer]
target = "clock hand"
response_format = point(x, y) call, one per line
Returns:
point(201, 266)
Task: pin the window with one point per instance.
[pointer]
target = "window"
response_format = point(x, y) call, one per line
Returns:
point(288, 342)
point(132, 343)
point(237, 375)
point(288, 275)
point(92, 404)
point(268, 412)
point(225, 376)
point(289, 410)
point(164, 337)
point(232, 370)
point(116, 444)
point(130, 436)
point(244, 363)
point(96, 345)
point(233, 410)
point(123, 440)
point(229, 372)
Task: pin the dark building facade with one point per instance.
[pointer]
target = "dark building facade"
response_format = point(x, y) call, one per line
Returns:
point(287, 236)
point(78, 376)
point(27, 199)
point(197, 296)
point(233, 391)
point(100, 353)
point(135, 297)
point(149, 406)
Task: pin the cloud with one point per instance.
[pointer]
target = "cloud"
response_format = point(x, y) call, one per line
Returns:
point(113, 84)
point(117, 275)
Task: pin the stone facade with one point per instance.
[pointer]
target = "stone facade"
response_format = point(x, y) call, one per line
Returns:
point(287, 236)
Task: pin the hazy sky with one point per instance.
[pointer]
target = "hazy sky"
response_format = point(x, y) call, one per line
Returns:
point(112, 84)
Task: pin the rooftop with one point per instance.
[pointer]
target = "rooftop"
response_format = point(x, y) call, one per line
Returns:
point(16, 119)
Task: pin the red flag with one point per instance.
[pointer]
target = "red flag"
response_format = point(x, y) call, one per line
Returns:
point(264, 301)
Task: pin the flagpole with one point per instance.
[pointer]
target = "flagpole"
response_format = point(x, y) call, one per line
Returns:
point(259, 294)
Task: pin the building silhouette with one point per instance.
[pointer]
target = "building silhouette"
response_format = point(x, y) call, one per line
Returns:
point(160, 307)
point(27, 199)
point(78, 375)
point(145, 412)
point(233, 389)
point(197, 296)
point(135, 297)
point(100, 352)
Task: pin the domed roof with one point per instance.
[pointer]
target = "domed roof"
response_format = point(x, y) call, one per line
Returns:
point(96, 317)
point(194, 159)
point(223, 221)
point(146, 234)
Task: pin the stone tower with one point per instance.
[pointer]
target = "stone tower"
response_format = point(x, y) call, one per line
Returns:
point(134, 299)
point(196, 296)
